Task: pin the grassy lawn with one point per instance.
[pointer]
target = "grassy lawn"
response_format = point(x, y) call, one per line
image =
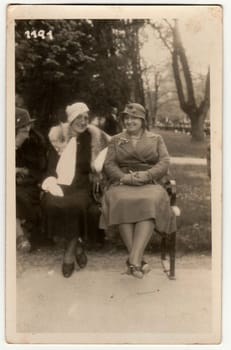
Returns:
point(194, 200)
point(180, 145)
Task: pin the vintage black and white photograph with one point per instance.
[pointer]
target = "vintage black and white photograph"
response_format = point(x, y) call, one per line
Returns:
point(114, 153)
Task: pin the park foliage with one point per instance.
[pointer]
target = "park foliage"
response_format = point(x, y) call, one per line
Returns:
point(95, 61)
point(99, 62)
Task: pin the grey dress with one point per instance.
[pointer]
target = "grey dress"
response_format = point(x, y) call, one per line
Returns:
point(130, 204)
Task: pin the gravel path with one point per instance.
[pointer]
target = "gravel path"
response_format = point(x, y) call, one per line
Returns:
point(101, 299)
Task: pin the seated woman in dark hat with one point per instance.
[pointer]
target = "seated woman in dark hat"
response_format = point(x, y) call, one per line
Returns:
point(30, 165)
point(68, 188)
point(136, 202)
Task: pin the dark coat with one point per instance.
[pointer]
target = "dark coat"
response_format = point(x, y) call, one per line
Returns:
point(31, 155)
point(75, 214)
point(111, 126)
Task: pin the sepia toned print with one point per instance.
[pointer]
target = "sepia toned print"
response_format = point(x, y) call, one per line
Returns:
point(114, 174)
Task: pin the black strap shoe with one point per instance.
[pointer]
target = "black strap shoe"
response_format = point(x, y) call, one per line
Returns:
point(80, 254)
point(67, 269)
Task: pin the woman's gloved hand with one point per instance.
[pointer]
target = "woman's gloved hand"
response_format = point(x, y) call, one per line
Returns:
point(50, 185)
point(56, 190)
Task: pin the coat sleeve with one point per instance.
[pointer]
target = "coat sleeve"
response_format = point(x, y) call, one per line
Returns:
point(162, 166)
point(105, 139)
point(52, 161)
point(111, 167)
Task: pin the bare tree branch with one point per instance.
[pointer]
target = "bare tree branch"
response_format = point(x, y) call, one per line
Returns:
point(169, 24)
point(158, 29)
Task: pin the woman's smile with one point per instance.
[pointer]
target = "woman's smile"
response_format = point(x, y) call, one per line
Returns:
point(80, 123)
point(132, 124)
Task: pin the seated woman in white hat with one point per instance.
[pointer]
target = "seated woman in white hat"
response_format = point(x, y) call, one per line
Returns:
point(68, 188)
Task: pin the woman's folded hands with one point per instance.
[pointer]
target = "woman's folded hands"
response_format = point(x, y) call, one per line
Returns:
point(137, 178)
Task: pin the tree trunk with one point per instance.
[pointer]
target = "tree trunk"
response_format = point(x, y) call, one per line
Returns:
point(184, 82)
point(197, 127)
point(186, 96)
point(132, 35)
point(156, 96)
point(152, 108)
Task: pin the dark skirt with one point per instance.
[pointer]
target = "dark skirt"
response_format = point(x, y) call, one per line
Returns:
point(66, 216)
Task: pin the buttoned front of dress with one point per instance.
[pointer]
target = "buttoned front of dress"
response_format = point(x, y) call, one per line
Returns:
point(149, 153)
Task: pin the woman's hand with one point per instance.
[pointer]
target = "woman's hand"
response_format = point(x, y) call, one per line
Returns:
point(50, 185)
point(20, 175)
point(56, 190)
point(142, 177)
point(138, 178)
point(126, 179)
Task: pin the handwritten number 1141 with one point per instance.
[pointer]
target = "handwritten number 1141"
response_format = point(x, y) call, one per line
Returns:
point(39, 34)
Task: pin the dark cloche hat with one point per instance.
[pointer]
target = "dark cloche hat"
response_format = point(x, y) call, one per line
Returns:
point(135, 110)
point(22, 118)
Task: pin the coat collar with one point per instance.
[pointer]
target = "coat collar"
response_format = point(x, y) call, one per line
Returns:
point(99, 139)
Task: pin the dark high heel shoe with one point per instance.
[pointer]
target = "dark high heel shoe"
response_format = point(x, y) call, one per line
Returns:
point(80, 255)
point(67, 269)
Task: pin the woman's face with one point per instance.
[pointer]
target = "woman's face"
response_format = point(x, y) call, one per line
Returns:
point(132, 124)
point(80, 123)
